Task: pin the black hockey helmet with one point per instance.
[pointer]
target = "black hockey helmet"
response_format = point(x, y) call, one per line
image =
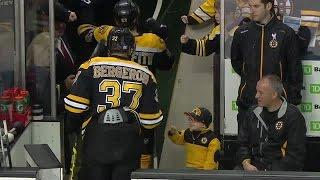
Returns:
point(126, 13)
point(120, 42)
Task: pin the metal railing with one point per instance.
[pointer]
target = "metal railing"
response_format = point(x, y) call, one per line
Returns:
point(186, 174)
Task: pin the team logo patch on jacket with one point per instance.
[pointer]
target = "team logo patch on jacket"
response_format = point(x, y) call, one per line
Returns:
point(146, 141)
point(279, 125)
point(274, 43)
point(204, 140)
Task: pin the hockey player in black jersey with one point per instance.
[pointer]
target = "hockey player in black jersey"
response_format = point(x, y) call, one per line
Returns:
point(150, 51)
point(112, 89)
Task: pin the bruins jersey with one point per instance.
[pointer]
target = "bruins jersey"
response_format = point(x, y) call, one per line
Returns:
point(203, 13)
point(108, 82)
point(201, 148)
point(151, 50)
point(204, 46)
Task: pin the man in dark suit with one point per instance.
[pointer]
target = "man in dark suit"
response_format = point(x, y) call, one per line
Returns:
point(66, 68)
point(65, 60)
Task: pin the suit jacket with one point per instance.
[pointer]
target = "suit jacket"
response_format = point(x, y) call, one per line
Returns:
point(65, 60)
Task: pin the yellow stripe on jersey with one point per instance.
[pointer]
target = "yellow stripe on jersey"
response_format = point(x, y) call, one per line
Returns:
point(85, 123)
point(197, 47)
point(78, 99)
point(310, 24)
point(85, 27)
point(149, 42)
point(310, 13)
point(150, 116)
point(200, 48)
point(116, 62)
point(102, 32)
point(73, 110)
point(203, 47)
point(310, 18)
point(215, 31)
point(96, 60)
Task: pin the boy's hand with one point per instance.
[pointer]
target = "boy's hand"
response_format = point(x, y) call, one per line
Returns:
point(184, 39)
point(184, 19)
point(173, 130)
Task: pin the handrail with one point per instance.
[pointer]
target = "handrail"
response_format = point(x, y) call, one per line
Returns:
point(188, 174)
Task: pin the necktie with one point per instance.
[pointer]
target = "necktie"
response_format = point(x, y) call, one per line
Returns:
point(66, 53)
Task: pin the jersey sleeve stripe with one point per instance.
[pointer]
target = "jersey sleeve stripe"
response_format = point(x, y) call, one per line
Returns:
point(150, 116)
point(150, 126)
point(197, 18)
point(197, 49)
point(78, 99)
point(310, 24)
point(75, 104)
point(85, 123)
point(151, 122)
point(85, 27)
point(200, 48)
point(310, 13)
point(73, 110)
point(203, 47)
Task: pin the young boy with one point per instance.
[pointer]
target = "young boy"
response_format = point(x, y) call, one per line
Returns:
point(200, 142)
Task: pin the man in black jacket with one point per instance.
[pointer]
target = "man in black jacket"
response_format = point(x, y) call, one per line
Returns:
point(265, 46)
point(273, 135)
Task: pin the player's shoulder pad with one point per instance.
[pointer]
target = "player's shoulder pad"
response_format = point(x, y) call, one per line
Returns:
point(151, 41)
point(102, 32)
point(116, 62)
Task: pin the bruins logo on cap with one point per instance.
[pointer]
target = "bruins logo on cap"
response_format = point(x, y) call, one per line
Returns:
point(197, 111)
point(279, 125)
point(273, 43)
point(204, 140)
point(283, 7)
point(146, 141)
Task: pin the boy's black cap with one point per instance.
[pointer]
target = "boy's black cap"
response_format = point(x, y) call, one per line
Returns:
point(201, 114)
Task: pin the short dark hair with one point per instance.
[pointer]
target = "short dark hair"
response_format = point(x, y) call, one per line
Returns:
point(275, 83)
point(265, 2)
